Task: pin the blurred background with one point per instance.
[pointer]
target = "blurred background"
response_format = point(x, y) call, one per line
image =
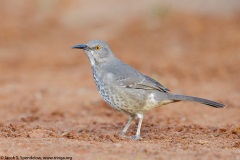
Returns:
point(191, 47)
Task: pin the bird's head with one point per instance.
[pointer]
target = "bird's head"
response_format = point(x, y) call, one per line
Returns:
point(97, 51)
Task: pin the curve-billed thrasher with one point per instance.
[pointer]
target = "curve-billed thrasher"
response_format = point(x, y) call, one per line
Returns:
point(126, 89)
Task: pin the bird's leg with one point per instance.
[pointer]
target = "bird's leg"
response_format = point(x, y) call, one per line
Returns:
point(137, 136)
point(127, 126)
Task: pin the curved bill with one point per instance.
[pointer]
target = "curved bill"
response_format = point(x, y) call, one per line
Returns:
point(80, 46)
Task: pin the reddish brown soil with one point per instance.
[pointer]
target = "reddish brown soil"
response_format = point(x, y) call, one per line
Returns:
point(49, 105)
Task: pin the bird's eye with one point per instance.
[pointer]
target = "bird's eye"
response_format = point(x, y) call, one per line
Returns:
point(98, 47)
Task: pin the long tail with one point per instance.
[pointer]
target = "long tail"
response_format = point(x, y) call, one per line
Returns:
point(178, 97)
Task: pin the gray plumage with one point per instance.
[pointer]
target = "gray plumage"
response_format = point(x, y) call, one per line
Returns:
point(126, 89)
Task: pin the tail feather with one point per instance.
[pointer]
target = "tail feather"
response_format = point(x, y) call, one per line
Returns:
point(178, 97)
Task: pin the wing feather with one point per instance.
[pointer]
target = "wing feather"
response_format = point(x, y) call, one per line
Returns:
point(146, 83)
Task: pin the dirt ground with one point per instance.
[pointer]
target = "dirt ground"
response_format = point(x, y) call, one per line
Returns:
point(50, 106)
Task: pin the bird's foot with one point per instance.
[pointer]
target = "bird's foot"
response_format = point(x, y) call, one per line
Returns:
point(122, 134)
point(136, 137)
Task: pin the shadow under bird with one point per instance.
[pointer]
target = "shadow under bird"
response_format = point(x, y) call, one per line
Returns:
point(126, 89)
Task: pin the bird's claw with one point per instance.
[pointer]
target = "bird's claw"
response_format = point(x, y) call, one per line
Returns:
point(136, 137)
point(122, 134)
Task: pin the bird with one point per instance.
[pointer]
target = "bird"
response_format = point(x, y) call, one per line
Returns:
point(126, 89)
